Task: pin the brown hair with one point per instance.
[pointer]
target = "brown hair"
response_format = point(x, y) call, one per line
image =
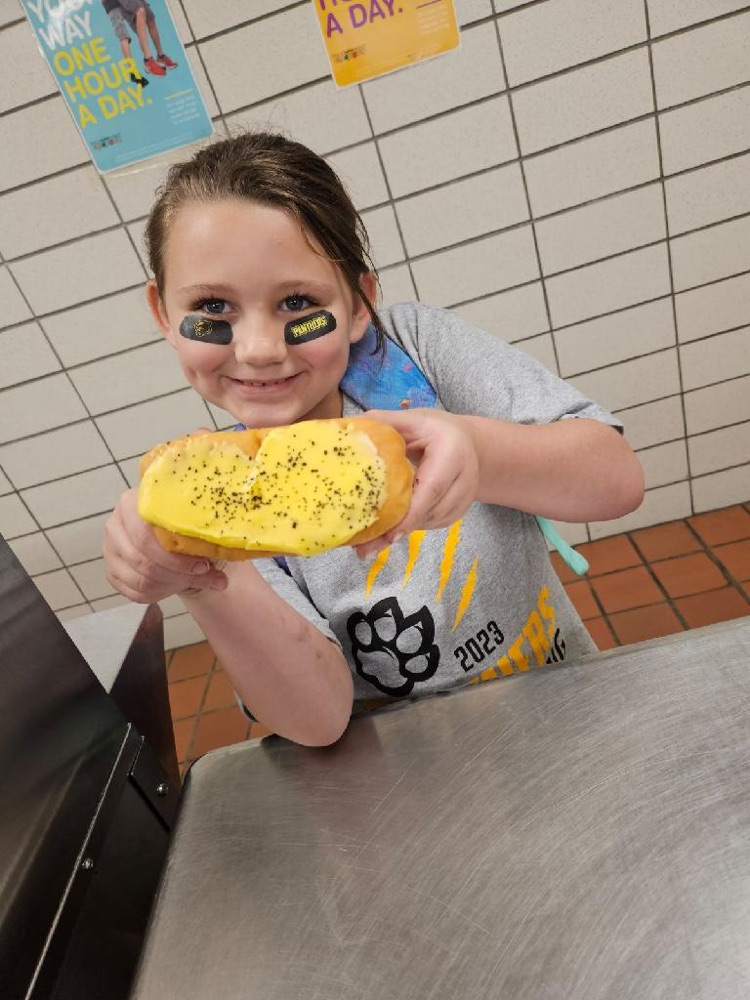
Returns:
point(272, 170)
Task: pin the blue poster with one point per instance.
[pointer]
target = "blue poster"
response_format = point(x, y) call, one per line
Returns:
point(124, 74)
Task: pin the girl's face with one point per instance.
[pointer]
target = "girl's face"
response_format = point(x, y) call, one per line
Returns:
point(252, 266)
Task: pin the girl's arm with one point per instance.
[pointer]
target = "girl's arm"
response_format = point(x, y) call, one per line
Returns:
point(571, 470)
point(292, 678)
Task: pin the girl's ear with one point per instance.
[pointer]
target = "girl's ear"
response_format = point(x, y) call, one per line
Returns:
point(361, 318)
point(157, 310)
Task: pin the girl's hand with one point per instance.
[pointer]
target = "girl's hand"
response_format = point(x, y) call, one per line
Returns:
point(140, 569)
point(441, 447)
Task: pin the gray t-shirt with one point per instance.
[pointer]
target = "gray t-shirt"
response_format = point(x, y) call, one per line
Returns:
point(473, 601)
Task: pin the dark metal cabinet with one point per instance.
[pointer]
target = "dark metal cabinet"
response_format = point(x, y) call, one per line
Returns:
point(85, 812)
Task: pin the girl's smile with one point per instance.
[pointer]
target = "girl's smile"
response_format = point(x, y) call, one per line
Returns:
point(253, 266)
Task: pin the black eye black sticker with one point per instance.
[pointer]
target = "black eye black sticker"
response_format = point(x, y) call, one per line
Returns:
point(298, 331)
point(210, 331)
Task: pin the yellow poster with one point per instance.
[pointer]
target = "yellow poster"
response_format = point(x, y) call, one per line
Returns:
point(366, 38)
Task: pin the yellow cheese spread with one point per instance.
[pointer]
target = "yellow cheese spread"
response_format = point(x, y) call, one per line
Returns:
point(311, 486)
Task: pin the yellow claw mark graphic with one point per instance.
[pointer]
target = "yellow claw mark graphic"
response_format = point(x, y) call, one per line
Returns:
point(466, 594)
point(449, 554)
point(415, 544)
point(378, 563)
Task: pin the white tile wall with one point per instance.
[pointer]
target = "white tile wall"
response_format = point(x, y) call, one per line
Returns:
point(463, 210)
point(130, 377)
point(722, 449)
point(359, 169)
point(458, 143)
point(385, 240)
point(698, 62)
point(24, 66)
point(26, 354)
point(97, 329)
point(62, 220)
point(35, 554)
point(707, 130)
point(553, 36)
point(718, 405)
point(708, 195)
point(222, 14)
point(9, 12)
point(318, 116)
point(38, 406)
point(605, 341)
point(134, 430)
point(15, 518)
point(664, 464)
point(721, 489)
point(79, 541)
point(23, 158)
point(91, 579)
point(431, 157)
point(466, 74)
point(58, 589)
point(14, 308)
point(478, 268)
point(265, 58)
point(76, 496)
point(713, 308)
point(653, 423)
point(591, 168)
point(602, 229)
point(671, 15)
point(709, 254)
point(54, 454)
point(512, 315)
point(612, 284)
point(396, 285)
point(632, 382)
point(583, 101)
point(714, 359)
point(79, 271)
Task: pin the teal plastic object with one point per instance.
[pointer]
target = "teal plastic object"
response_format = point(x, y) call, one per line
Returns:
point(572, 558)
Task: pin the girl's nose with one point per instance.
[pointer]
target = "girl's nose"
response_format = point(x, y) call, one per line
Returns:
point(259, 344)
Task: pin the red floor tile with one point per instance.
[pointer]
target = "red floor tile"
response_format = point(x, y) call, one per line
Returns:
point(582, 598)
point(665, 540)
point(601, 633)
point(727, 525)
point(736, 558)
point(220, 692)
point(190, 661)
point(186, 697)
point(609, 554)
point(628, 588)
point(688, 574)
point(219, 729)
point(713, 606)
point(183, 734)
point(645, 623)
point(257, 730)
point(562, 569)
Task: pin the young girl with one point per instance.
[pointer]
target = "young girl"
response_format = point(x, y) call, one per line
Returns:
point(257, 230)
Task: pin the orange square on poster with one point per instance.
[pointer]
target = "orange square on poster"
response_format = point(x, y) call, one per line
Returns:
point(366, 38)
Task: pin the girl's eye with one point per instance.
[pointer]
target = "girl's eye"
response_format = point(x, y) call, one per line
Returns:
point(296, 302)
point(212, 306)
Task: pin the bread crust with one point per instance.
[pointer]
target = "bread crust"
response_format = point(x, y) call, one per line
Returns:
point(399, 477)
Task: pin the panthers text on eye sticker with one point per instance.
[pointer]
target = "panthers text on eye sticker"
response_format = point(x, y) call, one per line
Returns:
point(209, 331)
point(299, 331)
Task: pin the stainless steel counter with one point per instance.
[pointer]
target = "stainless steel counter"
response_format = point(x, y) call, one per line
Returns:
point(579, 832)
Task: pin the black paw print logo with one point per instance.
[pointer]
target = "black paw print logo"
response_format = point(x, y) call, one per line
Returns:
point(392, 651)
